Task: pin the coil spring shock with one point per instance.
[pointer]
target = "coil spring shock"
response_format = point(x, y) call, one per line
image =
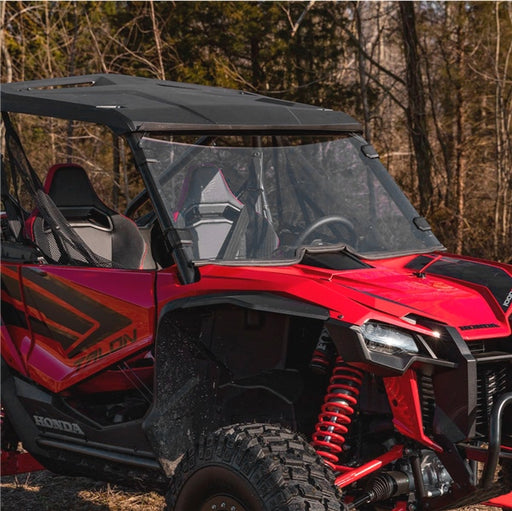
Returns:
point(335, 416)
point(323, 355)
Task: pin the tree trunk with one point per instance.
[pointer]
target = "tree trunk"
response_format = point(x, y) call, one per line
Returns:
point(502, 238)
point(5, 51)
point(362, 73)
point(460, 161)
point(71, 72)
point(416, 110)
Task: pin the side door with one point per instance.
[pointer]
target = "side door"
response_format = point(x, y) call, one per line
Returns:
point(84, 319)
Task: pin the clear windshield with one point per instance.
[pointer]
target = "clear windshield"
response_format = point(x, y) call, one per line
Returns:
point(269, 198)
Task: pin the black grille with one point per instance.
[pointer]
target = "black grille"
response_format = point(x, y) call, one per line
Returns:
point(492, 381)
point(428, 403)
point(494, 378)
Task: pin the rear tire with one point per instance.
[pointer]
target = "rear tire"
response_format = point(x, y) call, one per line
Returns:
point(253, 467)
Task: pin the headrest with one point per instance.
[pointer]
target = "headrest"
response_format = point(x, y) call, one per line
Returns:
point(206, 185)
point(68, 185)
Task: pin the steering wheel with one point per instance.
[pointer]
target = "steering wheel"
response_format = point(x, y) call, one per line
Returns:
point(349, 226)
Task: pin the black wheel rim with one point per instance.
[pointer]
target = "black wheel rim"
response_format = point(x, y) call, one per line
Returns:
point(222, 503)
point(217, 487)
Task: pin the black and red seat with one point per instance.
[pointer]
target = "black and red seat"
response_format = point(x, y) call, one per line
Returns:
point(113, 237)
point(220, 225)
point(207, 208)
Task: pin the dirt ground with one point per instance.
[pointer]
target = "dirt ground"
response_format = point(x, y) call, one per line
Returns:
point(44, 491)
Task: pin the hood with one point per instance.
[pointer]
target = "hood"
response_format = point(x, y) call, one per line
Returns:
point(473, 296)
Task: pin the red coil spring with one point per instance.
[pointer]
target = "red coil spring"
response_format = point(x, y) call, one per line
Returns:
point(323, 354)
point(335, 416)
point(320, 362)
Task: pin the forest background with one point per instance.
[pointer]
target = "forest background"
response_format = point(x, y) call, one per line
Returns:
point(430, 81)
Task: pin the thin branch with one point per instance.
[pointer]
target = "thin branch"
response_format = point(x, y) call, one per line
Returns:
point(95, 41)
point(296, 26)
point(158, 41)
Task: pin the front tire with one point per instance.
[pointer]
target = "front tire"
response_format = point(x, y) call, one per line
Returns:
point(253, 467)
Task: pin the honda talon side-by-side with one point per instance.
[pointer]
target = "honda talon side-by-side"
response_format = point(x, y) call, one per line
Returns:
point(267, 325)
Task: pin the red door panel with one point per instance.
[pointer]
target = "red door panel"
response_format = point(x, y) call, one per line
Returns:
point(85, 319)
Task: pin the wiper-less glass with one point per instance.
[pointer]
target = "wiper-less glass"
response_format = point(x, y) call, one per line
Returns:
point(268, 201)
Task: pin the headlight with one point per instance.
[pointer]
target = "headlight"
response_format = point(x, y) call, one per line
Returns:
point(386, 339)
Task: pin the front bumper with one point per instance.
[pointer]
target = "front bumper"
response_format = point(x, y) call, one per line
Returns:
point(495, 438)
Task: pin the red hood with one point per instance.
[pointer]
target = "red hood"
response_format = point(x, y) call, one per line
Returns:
point(467, 294)
point(475, 309)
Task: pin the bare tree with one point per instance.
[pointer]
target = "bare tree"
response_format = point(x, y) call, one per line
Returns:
point(363, 80)
point(503, 118)
point(5, 57)
point(416, 109)
point(158, 41)
point(460, 159)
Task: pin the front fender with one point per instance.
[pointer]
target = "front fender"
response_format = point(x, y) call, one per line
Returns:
point(208, 376)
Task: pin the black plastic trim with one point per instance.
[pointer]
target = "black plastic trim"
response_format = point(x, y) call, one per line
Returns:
point(265, 302)
point(182, 253)
point(455, 412)
point(20, 419)
point(109, 455)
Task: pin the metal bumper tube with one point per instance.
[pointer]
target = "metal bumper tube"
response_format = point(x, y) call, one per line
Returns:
point(494, 439)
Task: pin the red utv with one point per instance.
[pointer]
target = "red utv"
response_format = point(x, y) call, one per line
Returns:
point(270, 325)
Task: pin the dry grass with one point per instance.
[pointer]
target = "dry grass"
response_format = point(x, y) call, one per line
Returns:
point(44, 491)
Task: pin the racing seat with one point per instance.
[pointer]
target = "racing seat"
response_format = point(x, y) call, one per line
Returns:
point(220, 225)
point(112, 236)
point(207, 208)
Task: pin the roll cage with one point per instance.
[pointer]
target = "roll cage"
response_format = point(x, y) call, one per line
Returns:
point(144, 111)
point(134, 106)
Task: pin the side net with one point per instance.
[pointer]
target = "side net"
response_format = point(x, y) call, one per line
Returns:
point(65, 246)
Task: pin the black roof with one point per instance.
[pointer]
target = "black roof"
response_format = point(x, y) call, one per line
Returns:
point(128, 103)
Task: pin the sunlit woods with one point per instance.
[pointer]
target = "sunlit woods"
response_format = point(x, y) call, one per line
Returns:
point(430, 81)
